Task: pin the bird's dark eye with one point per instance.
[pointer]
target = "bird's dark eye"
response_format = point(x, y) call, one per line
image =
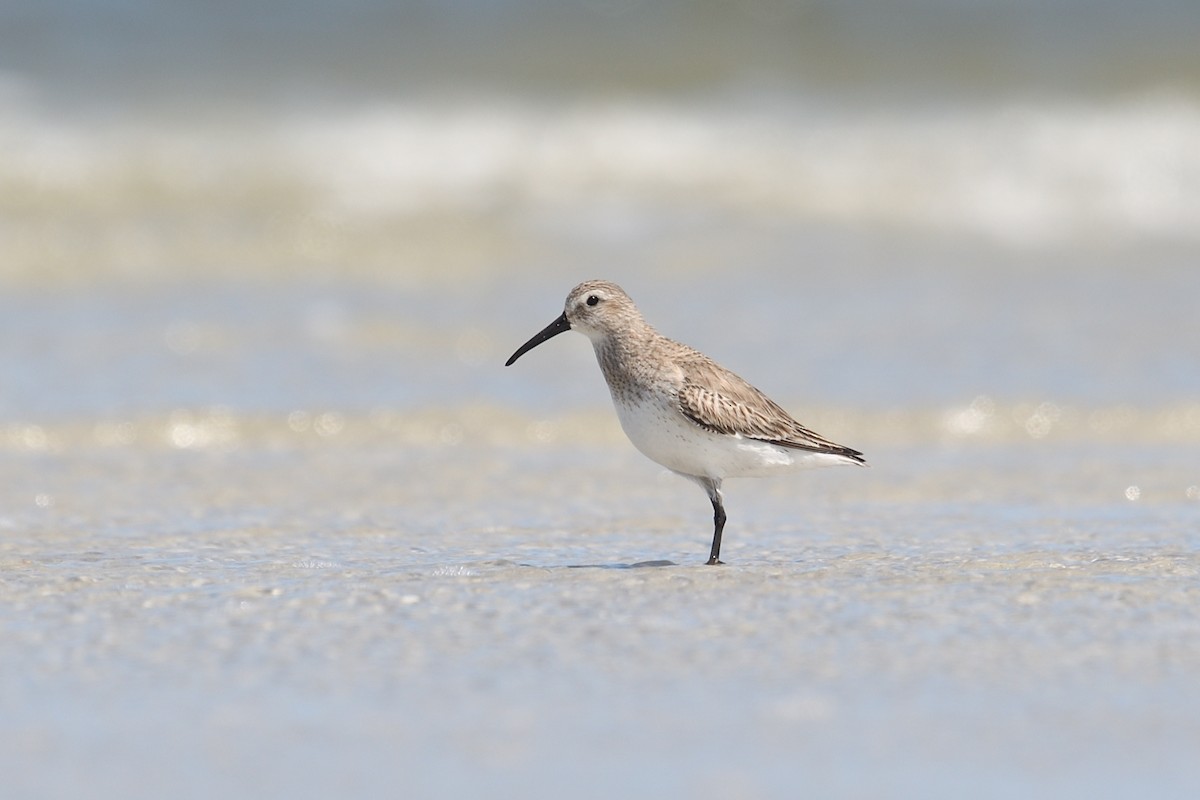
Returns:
point(592, 300)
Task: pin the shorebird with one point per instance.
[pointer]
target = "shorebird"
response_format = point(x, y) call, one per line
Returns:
point(680, 408)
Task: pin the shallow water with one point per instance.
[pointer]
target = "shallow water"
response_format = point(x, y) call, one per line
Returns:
point(276, 521)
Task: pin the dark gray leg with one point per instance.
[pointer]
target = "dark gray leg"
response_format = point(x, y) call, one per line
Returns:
point(714, 494)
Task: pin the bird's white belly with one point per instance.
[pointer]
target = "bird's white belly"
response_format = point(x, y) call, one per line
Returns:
point(660, 431)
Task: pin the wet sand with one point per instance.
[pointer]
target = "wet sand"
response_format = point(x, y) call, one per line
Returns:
point(311, 614)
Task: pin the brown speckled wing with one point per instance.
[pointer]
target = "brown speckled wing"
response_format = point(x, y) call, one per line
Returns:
point(721, 402)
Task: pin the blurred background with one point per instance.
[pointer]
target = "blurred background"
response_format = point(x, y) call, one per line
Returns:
point(275, 519)
point(278, 206)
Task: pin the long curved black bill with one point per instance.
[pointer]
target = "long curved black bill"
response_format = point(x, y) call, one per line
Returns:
point(560, 325)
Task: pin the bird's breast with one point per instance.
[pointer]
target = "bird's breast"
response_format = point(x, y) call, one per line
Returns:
point(663, 434)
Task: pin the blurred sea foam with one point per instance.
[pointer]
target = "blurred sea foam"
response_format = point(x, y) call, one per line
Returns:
point(169, 141)
point(119, 193)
